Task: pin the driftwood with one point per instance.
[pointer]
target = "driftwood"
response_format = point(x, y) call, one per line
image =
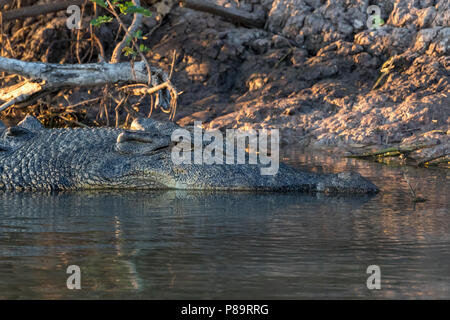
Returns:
point(45, 77)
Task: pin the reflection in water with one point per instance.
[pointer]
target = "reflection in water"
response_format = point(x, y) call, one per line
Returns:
point(178, 244)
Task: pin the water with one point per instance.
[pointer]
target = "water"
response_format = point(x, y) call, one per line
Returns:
point(182, 245)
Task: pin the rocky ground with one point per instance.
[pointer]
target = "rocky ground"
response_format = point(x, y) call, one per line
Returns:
point(316, 71)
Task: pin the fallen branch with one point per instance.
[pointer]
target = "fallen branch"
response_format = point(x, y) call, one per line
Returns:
point(142, 90)
point(238, 16)
point(19, 90)
point(73, 122)
point(45, 77)
point(32, 11)
point(81, 74)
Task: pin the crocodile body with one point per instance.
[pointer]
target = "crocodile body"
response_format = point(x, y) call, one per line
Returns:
point(33, 158)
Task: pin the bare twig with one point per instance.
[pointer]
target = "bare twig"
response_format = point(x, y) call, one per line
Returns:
point(116, 109)
point(83, 102)
point(73, 121)
point(172, 64)
point(149, 91)
point(95, 38)
point(411, 189)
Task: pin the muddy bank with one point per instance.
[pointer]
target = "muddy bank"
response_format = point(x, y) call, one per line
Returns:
point(314, 77)
point(316, 72)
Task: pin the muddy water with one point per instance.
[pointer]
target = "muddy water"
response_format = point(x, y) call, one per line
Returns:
point(160, 245)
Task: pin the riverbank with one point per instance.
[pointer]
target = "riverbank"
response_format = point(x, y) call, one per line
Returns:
point(316, 72)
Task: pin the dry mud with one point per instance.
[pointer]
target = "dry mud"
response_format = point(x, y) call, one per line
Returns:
point(310, 72)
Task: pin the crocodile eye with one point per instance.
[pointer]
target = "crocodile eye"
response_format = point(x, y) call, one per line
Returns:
point(141, 142)
point(17, 132)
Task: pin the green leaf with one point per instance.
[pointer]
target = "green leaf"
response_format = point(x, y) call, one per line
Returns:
point(100, 20)
point(136, 9)
point(129, 51)
point(101, 3)
point(143, 48)
point(123, 7)
point(138, 34)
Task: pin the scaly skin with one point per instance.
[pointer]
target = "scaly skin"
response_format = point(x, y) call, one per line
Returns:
point(33, 158)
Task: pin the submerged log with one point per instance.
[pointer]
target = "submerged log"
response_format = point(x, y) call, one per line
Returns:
point(388, 152)
point(421, 155)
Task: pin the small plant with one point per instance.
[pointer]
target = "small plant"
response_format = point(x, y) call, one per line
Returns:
point(415, 198)
point(100, 20)
point(124, 7)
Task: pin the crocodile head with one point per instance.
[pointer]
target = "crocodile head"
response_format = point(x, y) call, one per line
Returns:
point(151, 166)
point(135, 158)
point(14, 137)
point(139, 159)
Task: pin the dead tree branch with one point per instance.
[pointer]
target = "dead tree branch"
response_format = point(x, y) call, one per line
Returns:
point(33, 11)
point(238, 16)
point(45, 77)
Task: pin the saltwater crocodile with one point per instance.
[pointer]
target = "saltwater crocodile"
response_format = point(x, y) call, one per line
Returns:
point(34, 158)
